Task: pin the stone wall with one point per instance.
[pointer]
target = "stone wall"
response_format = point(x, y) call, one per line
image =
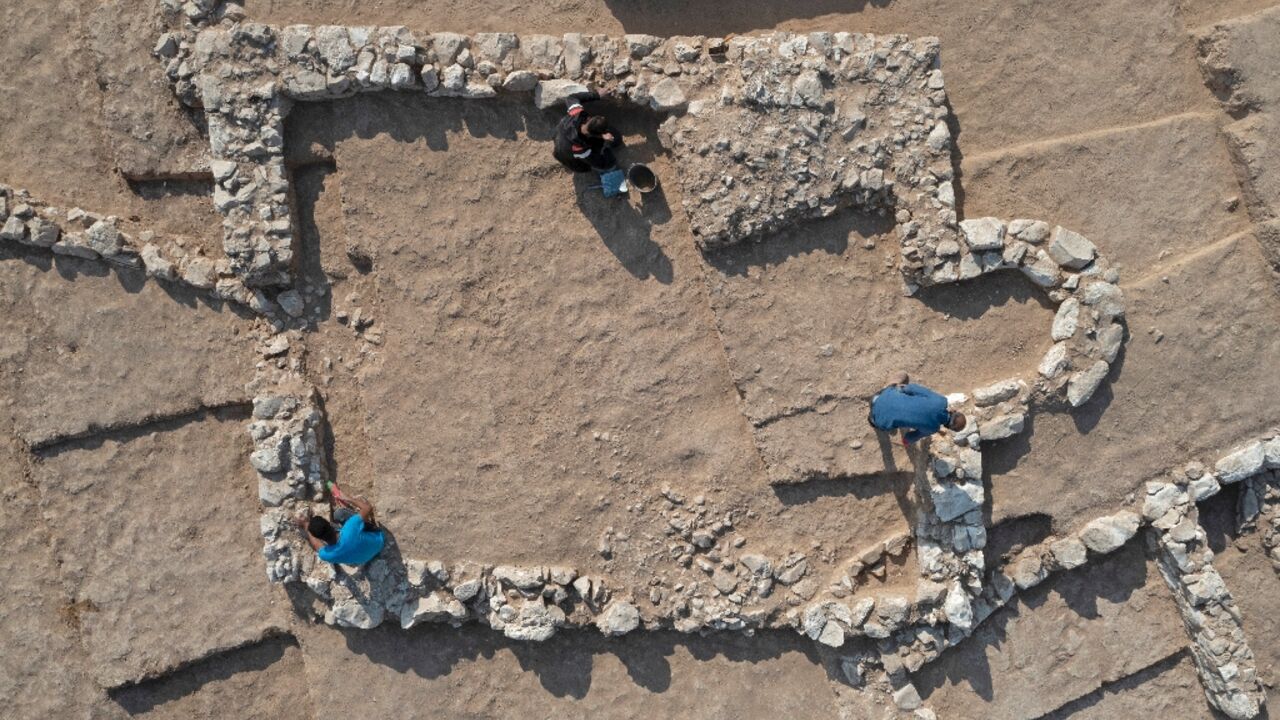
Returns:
point(770, 130)
point(78, 233)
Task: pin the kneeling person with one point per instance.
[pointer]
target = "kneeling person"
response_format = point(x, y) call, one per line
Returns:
point(584, 141)
point(359, 541)
point(914, 408)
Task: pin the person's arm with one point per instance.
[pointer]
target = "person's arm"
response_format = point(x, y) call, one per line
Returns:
point(573, 103)
point(365, 509)
point(911, 436)
point(918, 391)
point(582, 97)
point(301, 522)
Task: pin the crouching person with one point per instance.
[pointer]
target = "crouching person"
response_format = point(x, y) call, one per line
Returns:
point(359, 540)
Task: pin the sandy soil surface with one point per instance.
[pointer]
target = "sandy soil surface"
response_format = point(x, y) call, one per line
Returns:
point(470, 674)
point(540, 363)
point(1077, 629)
point(595, 345)
point(124, 571)
point(89, 348)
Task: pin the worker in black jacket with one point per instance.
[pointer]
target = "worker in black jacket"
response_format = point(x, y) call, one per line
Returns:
point(585, 142)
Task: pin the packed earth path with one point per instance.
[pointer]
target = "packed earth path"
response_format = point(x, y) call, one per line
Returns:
point(623, 442)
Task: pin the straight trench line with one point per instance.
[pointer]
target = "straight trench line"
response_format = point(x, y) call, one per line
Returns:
point(1143, 674)
point(1187, 258)
point(56, 444)
point(987, 155)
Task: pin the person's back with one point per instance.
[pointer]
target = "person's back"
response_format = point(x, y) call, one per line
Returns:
point(584, 151)
point(359, 541)
point(356, 544)
point(913, 407)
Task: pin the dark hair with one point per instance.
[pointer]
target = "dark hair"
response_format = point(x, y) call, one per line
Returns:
point(322, 529)
point(957, 421)
point(595, 125)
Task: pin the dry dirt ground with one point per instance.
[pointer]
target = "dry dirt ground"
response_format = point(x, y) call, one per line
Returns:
point(543, 362)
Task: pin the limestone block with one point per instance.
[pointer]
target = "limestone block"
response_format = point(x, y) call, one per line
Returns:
point(983, 234)
point(953, 499)
point(520, 81)
point(1242, 463)
point(1066, 320)
point(996, 393)
point(436, 607)
point(1055, 361)
point(1032, 231)
point(667, 96)
point(550, 93)
point(1068, 553)
point(1071, 249)
point(1083, 384)
point(1107, 534)
point(1002, 426)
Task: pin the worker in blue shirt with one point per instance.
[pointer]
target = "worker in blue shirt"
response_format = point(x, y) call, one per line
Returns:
point(915, 408)
point(359, 541)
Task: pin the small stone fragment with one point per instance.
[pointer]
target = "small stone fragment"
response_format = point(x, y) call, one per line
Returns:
point(907, 697)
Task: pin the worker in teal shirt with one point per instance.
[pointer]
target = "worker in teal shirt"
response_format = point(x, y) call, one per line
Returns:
point(359, 541)
point(915, 408)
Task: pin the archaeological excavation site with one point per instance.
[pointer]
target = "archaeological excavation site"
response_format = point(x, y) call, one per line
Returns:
point(735, 359)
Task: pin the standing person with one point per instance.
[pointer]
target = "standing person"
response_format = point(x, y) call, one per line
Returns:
point(359, 541)
point(915, 408)
point(585, 142)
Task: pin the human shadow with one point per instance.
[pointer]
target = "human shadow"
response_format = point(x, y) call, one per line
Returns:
point(94, 436)
point(1011, 535)
point(1000, 457)
point(159, 188)
point(624, 230)
point(723, 17)
point(624, 223)
point(1219, 516)
point(861, 487)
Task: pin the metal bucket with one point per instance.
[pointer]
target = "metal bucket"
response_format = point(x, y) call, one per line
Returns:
point(642, 178)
